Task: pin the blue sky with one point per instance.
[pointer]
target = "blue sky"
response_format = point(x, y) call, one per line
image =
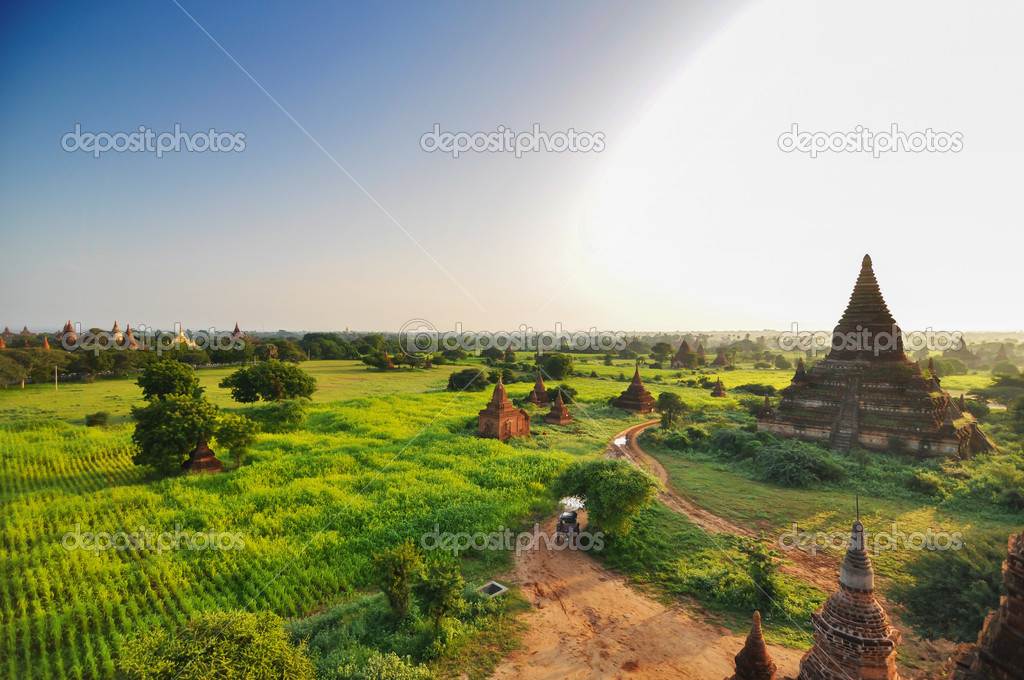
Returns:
point(691, 217)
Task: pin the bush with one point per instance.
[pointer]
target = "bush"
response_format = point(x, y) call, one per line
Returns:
point(395, 569)
point(568, 393)
point(928, 483)
point(613, 491)
point(388, 666)
point(279, 418)
point(796, 464)
point(468, 380)
point(758, 389)
point(216, 646)
point(98, 419)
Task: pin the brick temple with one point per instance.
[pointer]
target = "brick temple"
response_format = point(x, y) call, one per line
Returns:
point(753, 661)
point(853, 637)
point(500, 419)
point(867, 393)
point(999, 652)
point(721, 361)
point(636, 398)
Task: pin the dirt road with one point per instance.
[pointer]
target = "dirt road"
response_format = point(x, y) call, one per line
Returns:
point(588, 623)
point(821, 570)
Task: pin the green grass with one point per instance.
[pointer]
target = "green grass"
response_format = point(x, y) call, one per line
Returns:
point(336, 380)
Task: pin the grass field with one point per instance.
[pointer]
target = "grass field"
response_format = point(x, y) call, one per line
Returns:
point(382, 456)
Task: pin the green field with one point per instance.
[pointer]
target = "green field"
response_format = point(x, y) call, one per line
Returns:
point(382, 456)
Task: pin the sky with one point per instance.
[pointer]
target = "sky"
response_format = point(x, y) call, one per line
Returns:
point(690, 216)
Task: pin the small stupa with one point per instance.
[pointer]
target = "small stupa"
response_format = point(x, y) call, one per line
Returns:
point(636, 398)
point(721, 361)
point(539, 394)
point(559, 414)
point(753, 662)
point(202, 459)
point(719, 389)
point(685, 357)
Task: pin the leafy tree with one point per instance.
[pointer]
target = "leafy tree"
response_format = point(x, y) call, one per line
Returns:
point(11, 371)
point(661, 351)
point(236, 434)
point(288, 351)
point(608, 360)
point(269, 381)
point(1004, 368)
point(782, 362)
point(395, 569)
point(217, 646)
point(454, 355)
point(1017, 414)
point(493, 353)
point(613, 491)
point(38, 363)
point(439, 591)
point(468, 380)
point(558, 365)
point(671, 407)
point(507, 376)
point(167, 429)
point(168, 378)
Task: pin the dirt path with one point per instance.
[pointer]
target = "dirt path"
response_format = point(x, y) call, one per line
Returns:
point(588, 623)
point(821, 570)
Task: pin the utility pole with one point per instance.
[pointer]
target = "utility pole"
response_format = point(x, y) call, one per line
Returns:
point(55, 377)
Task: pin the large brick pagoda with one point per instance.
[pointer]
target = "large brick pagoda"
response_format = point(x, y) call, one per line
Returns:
point(867, 393)
point(853, 637)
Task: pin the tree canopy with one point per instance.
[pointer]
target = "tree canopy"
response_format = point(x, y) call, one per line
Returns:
point(612, 491)
point(270, 381)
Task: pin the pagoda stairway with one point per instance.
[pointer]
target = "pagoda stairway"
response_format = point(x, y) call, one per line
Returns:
point(845, 429)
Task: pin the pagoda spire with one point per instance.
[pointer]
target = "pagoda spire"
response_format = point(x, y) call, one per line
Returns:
point(753, 662)
point(867, 329)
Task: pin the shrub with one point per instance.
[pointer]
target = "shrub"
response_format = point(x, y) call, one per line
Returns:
point(276, 418)
point(388, 666)
point(568, 393)
point(758, 389)
point(613, 491)
point(928, 483)
point(395, 569)
point(216, 645)
point(468, 380)
point(98, 419)
point(168, 378)
point(795, 464)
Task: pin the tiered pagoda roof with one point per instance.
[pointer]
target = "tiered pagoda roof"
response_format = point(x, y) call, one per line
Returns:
point(867, 393)
point(636, 398)
point(853, 637)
